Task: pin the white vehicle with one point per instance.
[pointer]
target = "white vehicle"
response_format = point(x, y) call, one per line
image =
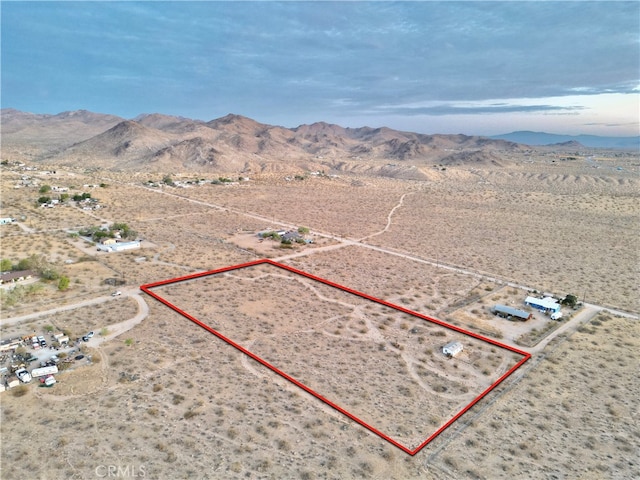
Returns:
point(556, 315)
point(23, 375)
point(50, 381)
point(117, 293)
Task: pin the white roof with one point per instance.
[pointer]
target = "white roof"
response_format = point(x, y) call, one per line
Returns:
point(546, 302)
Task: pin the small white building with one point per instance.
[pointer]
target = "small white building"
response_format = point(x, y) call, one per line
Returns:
point(119, 246)
point(452, 349)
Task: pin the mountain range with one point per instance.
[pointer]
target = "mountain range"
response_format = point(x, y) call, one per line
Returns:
point(236, 144)
point(592, 141)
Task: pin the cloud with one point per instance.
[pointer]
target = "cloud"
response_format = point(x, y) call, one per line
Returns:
point(451, 109)
point(306, 59)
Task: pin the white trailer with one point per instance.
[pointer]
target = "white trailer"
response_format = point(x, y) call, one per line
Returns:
point(452, 349)
point(44, 371)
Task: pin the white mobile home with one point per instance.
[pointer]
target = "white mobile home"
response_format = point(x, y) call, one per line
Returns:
point(547, 304)
point(44, 371)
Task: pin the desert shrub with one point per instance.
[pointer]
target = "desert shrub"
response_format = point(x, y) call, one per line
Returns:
point(63, 283)
point(190, 414)
point(19, 391)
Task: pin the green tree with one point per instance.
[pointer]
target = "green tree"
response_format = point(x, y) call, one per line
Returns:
point(125, 231)
point(63, 283)
point(303, 230)
point(570, 300)
point(50, 273)
point(5, 265)
point(45, 189)
point(44, 199)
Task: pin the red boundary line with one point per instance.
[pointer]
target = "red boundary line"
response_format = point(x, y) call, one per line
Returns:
point(526, 356)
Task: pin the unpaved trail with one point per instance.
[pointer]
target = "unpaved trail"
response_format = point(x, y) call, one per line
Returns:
point(122, 327)
point(114, 330)
point(389, 217)
point(23, 318)
point(586, 314)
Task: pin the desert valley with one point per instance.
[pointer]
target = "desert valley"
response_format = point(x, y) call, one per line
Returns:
point(424, 241)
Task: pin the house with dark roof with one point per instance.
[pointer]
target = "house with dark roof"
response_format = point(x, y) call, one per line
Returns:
point(15, 277)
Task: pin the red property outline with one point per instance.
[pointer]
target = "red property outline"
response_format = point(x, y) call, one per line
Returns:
point(526, 356)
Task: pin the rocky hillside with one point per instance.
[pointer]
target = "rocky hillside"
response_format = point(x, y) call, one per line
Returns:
point(234, 144)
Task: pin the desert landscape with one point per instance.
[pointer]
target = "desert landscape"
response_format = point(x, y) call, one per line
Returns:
point(447, 226)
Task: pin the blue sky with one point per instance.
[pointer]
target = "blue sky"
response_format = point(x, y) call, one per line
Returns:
point(433, 67)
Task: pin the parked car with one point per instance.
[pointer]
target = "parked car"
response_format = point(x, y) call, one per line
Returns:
point(90, 334)
point(117, 293)
point(23, 375)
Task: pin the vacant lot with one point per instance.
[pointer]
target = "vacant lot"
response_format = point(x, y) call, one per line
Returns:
point(358, 354)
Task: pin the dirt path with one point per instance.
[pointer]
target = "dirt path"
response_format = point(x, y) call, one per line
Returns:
point(115, 330)
point(23, 318)
point(389, 217)
point(583, 316)
point(122, 327)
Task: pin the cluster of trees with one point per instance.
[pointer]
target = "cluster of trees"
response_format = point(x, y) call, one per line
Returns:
point(286, 241)
point(63, 197)
point(98, 234)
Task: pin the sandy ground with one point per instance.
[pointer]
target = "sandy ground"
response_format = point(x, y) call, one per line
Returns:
point(165, 398)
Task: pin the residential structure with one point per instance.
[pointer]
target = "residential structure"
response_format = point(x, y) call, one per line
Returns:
point(14, 277)
point(119, 246)
point(546, 304)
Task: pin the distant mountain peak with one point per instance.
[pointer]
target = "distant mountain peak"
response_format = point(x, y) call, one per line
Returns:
point(526, 137)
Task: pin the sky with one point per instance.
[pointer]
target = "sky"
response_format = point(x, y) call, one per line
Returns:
point(478, 68)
